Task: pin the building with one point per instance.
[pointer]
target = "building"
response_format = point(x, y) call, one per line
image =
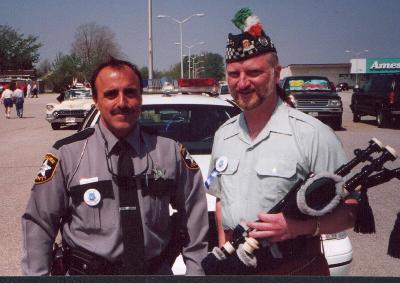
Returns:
point(354, 73)
point(336, 73)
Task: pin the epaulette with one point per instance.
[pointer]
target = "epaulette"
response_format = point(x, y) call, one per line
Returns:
point(230, 121)
point(82, 135)
point(302, 116)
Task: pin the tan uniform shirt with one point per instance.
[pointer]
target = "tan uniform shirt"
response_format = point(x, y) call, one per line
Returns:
point(78, 163)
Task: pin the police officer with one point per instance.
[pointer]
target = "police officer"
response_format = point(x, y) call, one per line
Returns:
point(108, 189)
point(261, 153)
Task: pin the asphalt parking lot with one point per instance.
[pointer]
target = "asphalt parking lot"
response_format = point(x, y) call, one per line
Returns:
point(24, 142)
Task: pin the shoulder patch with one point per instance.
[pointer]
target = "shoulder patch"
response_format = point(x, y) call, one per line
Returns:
point(47, 169)
point(74, 138)
point(188, 159)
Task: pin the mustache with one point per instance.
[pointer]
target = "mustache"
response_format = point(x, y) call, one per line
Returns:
point(123, 110)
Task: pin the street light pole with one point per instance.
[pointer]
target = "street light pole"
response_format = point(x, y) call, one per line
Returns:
point(194, 64)
point(180, 23)
point(198, 70)
point(150, 58)
point(189, 47)
point(357, 55)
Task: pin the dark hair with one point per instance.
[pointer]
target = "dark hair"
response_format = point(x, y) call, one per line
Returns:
point(117, 64)
point(281, 93)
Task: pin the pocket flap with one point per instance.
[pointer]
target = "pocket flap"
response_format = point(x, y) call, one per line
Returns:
point(276, 167)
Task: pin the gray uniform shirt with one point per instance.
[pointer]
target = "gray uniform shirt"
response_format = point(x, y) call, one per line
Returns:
point(261, 172)
point(78, 163)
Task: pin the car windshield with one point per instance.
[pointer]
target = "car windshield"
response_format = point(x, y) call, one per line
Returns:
point(192, 125)
point(307, 84)
point(78, 94)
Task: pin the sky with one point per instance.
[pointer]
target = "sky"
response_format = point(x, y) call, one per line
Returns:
point(304, 31)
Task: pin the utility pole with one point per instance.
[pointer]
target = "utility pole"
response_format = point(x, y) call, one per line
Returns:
point(150, 56)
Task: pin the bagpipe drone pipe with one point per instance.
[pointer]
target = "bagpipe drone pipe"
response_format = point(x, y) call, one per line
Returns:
point(315, 196)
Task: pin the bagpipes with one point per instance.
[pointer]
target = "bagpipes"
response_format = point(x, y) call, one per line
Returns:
point(315, 196)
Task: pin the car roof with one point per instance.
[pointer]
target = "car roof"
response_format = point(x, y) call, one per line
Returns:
point(307, 77)
point(152, 99)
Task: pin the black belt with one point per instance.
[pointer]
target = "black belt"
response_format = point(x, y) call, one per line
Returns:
point(82, 262)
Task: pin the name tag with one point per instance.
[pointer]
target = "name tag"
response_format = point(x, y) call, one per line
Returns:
point(88, 181)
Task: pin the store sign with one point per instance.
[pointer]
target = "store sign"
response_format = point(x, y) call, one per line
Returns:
point(383, 65)
point(358, 66)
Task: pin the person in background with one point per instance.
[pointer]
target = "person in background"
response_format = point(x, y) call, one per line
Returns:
point(18, 97)
point(28, 89)
point(264, 151)
point(108, 190)
point(35, 90)
point(7, 98)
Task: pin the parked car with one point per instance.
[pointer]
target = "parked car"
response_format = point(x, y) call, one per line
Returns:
point(342, 87)
point(380, 97)
point(72, 109)
point(224, 92)
point(193, 120)
point(315, 96)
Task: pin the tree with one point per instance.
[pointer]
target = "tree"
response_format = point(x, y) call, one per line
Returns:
point(174, 72)
point(44, 68)
point(65, 69)
point(17, 51)
point(213, 66)
point(93, 45)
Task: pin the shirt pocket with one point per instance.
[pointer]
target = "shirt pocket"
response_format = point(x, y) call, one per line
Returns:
point(277, 177)
point(229, 180)
point(101, 216)
point(156, 197)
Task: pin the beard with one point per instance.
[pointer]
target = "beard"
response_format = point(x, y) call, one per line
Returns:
point(252, 97)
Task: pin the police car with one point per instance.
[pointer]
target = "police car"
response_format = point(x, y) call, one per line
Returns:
point(193, 120)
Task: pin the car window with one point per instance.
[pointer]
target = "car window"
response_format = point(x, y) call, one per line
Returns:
point(396, 84)
point(307, 84)
point(78, 94)
point(367, 86)
point(224, 89)
point(381, 84)
point(192, 125)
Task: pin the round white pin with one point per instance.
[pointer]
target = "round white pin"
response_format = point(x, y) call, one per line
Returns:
point(221, 164)
point(92, 197)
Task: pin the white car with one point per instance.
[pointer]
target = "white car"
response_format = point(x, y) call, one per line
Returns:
point(193, 120)
point(224, 91)
point(72, 109)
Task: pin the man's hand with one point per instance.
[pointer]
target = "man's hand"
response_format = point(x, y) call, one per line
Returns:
point(276, 228)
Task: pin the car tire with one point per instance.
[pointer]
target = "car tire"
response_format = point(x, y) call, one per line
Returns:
point(55, 126)
point(356, 117)
point(382, 120)
point(337, 124)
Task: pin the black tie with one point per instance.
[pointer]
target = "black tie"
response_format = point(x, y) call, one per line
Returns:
point(131, 222)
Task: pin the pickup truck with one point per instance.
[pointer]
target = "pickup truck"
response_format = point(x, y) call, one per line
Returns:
point(315, 96)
